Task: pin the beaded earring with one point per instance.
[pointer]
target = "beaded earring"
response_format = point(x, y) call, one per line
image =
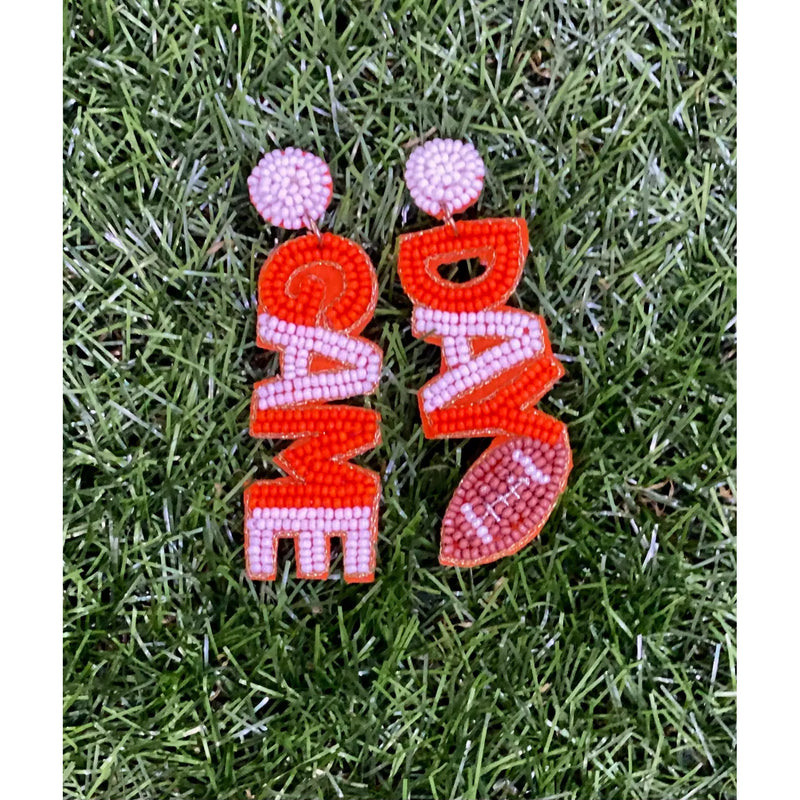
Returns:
point(315, 294)
point(496, 361)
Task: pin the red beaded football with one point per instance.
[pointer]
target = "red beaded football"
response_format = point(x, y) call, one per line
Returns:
point(504, 500)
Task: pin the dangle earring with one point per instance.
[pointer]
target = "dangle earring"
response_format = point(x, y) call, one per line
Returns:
point(315, 295)
point(496, 361)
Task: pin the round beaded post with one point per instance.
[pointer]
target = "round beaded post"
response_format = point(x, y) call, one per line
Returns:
point(291, 188)
point(497, 362)
point(444, 176)
point(316, 294)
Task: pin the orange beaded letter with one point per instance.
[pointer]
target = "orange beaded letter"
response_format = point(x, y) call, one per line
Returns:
point(315, 296)
point(497, 363)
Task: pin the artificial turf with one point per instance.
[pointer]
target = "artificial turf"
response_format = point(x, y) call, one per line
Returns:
point(599, 662)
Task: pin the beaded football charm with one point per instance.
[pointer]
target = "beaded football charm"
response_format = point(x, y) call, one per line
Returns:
point(315, 295)
point(496, 362)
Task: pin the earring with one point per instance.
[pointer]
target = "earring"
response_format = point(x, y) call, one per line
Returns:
point(496, 361)
point(315, 295)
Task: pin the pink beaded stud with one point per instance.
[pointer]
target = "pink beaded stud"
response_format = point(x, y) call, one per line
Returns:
point(291, 188)
point(444, 176)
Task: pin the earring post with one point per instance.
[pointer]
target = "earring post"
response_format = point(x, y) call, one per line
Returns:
point(448, 218)
point(314, 228)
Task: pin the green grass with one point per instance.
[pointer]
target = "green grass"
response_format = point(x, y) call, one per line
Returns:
point(576, 669)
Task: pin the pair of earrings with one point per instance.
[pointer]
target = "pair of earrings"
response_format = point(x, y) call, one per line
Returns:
point(317, 292)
